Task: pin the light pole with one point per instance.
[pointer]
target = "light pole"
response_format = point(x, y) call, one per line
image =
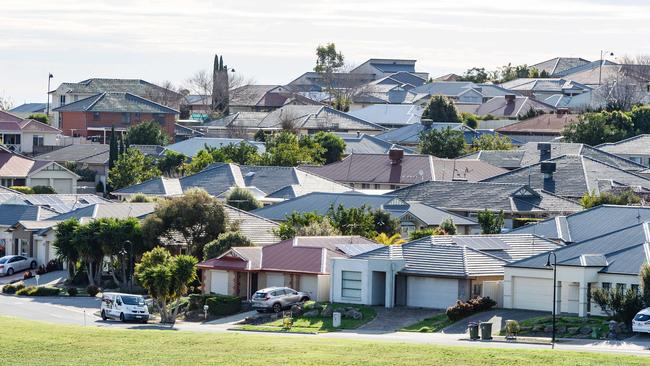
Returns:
point(600, 68)
point(554, 265)
point(50, 76)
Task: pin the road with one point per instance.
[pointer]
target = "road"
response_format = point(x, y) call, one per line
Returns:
point(81, 310)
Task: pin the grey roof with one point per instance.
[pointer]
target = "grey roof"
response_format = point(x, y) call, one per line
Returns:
point(250, 95)
point(499, 106)
point(116, 102)
point(191, 146)
point(10, 214)
point(390, 114)
point(368, 144)
point(134, 86)
point(108, 209)
point(60, 203)
point(447, 88)
point(159, 186)
point(86, 153)
point(257, 229)
point(410, 134)
point(623, 251)
point(545, 85)
point(575, 175)
point(636, 145)
point(559, 64)
point(587, 224)
point(29, 108)
point(467, 196)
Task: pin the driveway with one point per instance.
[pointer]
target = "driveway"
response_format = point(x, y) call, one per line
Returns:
point(497, 317)
point(50, 278)
point(394, 319)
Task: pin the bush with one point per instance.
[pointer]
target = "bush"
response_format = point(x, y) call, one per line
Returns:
point(38, 291)
point(621, 305)
point(92, 290)
point(196, 301)
point(80, 278)
point(220, 305)
point(28, 275)
point(12, 288)
point(43, 190)
point(72, 291)
point(41, 270)
point(224, 242)
point(464, 309)
point(23, 189)
point(53, 265)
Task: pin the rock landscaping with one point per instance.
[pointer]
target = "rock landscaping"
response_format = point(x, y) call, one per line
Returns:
point(575, 327)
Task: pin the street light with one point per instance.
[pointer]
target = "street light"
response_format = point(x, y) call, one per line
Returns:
point(600, 68)
point(50, 76)
point(554, 265)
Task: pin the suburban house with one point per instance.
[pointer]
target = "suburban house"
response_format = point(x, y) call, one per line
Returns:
point(68, 93)
point(431, 272)
point(268, 183)
point(97, 114)
point(382, 67)
point(18, 170)
point(542, 88)
point(301, 263)
point(26, 136)
point(396, 169)
point(518, 202)
point(409, 135)
point(10, 214)
point(460, 92)
point(360, 143)
point(636, 148)
point(390, 115)
point(572, 176)
point(534, 152)
point(264, 98)
point(557, 65)
point(507, 106)
point(412, 215)
point(393, 89)
point(542, 128)
point(609, 261)
point(27, 109)
point(192, 146)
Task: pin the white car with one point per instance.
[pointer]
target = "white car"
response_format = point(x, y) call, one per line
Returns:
point(124, 307)
point(641, 322)
point(11, 264)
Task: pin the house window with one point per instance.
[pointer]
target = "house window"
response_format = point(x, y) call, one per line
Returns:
point(635, 288)
point(126, 118)
point(620, 287)
point(377, 186)
point(365, 186)
point(393, 186)
point(606, 286)
point(407, 227)
point(351, 284)
point(635, 159)
point(159, 117)
point(62, 100)
point(96, 116)
point(477, 289)
point(38, 140)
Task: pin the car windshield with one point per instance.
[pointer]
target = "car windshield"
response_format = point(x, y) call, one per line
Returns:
point(133, 300)
point(259, 295)
point(3, 260)
point(642, 317)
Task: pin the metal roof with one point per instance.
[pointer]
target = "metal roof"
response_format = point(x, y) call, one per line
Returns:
point(116, 102)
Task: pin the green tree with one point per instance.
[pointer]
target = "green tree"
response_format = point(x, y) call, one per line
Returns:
point(199, 162)
point(85, 242)
point(283, 149)
point(146, 133)
point(334, 146)
point(322, 228)
point(448, 227)
point(224, 242)
point(362, 221)
point(112, 235)
point(422, 233)
point(446, 143)
point(112, 149)
point(476, 75)
point(242, 199)
point(328, 59)
point(491, 142)
point(644, 283)
point(622, 305)
point(166, 279)
point(441, 109)
point(131, 168)
point(641, 119)
point(196, 216)
point(260, 136)
point(601, 127)
point(491, 223)
point(624, 197)
point(469, 119)
point(242, 153)
point(63, 242)
point(171, 163)
point(41, 117)
point(295, 221)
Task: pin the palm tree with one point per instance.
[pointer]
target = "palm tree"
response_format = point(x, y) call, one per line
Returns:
point(396, 239)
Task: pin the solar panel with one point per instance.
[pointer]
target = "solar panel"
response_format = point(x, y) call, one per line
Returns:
point(482, 243)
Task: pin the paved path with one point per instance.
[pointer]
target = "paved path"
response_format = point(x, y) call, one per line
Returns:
point(497, 317)
point(50, 278)
point(391, 320)
point(78, 311)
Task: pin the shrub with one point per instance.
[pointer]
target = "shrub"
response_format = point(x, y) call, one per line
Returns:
point(224, 242)
point(41, 270)
point(72, 291)
point(464, 309)
point(38, 291)
point(43, 190)
point(196, 301)
point(621, 305)
point(53, 265)
point(12, 288)
point(23, 189)
point(220, 305)
point(28, 275)
point(92, 290)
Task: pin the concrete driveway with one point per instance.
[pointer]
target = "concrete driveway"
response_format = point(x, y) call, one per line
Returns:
point(50, 278)
point(497, 317)
point(391, 320)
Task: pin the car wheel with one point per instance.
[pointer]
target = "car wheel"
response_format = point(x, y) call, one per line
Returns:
point(277, 307)
point(10, 271)
point(122, 317)
point(304, 299)
point(104, 317)
point(32, 265)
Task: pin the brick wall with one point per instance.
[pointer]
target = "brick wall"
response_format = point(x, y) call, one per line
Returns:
point(78, 122)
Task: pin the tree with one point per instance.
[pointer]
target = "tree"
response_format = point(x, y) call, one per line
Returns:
point(196, 216)
point(171, 163)
point(6, 103)
point(43, 190)
point(641, 119)
point(624, 197)
point(260, 136)
point(491, 142)
point(283, 149)
point(147, 133)
point(448, 227)
point(199, 162)
point(131, 168)
point(395, 239)
point(323, 228)
point(85, 242)
point(295, 221)
point(64, 234)
point(362, 221)
point(339, 85)
point(644, 283)
point(224, 242)
point(476, 75)
point(166, 279)
point(242, 153)
point(469, 119)
point(328, 59)
point(112, 149)
point(622, 305)
point(423, 233)
point(242, 199)
point(446, 143)
point(334, 146)
point(601, 127)
point(441, 109)
point(112, 235)
point(491, 223)
point(41, 117)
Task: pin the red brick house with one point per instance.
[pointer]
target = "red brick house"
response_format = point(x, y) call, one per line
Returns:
point(96, 115)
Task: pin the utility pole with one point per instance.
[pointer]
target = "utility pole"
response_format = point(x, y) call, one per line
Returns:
point(50, 76)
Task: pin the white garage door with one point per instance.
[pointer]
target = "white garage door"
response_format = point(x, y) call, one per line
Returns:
point(219, 282)
point(63, 185)
point(309, 284)
point(274, 279)
point(426, 292)
point(39, 182)
point(532, 293)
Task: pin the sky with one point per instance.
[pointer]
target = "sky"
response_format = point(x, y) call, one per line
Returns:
point(273, 42)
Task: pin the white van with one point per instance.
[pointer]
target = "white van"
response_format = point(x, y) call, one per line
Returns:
point(124, 307)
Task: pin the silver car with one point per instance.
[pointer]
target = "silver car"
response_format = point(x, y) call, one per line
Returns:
point(11, 264)
point(277, 298)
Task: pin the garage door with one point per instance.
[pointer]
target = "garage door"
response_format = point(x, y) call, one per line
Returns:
point(63, 185)
point(219, 282)
point(39, 182)
point(532, 293)
point(426, 292)
point(274, 279)
point(309, 284)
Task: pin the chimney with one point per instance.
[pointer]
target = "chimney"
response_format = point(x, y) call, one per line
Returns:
point(510, 98)
point(395, 155)
point(358, 134)
point(544, 150)
point(548, 168)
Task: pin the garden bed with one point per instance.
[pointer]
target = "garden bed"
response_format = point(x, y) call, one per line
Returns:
point(569, 327)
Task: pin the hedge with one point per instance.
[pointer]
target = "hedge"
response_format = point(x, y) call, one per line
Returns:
point(464, 309)
point(220, 305)
point(38, 291)
point(12, 288)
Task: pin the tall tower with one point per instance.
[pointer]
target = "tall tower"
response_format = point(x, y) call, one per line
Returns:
point(220, 86)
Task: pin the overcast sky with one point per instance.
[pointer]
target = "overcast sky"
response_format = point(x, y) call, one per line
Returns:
point(274, 41)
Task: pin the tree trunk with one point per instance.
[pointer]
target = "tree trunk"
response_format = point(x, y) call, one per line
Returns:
point(175, 311)
point(89, 273)
point(163, 311)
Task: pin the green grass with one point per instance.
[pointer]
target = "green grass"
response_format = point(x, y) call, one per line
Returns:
point(562, 324)
point(34, 343)
point(429, 325)
point(316, 324)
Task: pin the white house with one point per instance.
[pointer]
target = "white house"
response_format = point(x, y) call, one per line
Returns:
point(26, 136)
point(18, 170)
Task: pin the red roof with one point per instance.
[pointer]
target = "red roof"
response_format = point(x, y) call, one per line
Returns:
point(548, 124)
point(8, 117)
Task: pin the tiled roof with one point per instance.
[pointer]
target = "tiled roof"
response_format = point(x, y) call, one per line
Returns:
point(499, 106)
point(85, 153)
point(256, 228)
point(134, 86)
point(559, 64)
point(29, 108)
point(12, 213)
point(548, 124)
point(60, 203)
point(8, 117)
point(390, 114)
point(639, 145)
point(545, 85)
point(159, 186)
point(410, 134)
point(368, 144)
point(108, 209)
point(116, 102)
point(13, 165)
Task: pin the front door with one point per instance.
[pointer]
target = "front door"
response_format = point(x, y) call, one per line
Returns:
point(253, 288)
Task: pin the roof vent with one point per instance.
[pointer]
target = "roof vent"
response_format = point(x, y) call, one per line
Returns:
point(395, 155)
point(544, 150)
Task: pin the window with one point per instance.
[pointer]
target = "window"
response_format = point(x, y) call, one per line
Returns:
point(477, 289)
point(377, 186)
point(635, 288)
point(620, 287)
point(96, 116)
point(635, 159)
point(365, 186)
point(606, 286)
point(126, 118)
point(393, 186)
point(351, 284)
point(62, 100)
point(38, 140)
point(159, 117)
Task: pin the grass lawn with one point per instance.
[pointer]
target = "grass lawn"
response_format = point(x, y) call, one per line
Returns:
point(563, 323)
point(34, 343)
point(317, 324)
point(429, 325)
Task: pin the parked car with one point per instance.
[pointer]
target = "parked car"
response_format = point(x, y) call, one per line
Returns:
point(277, 298)
point(11, 264)
point(124, 307)
point(641, 322)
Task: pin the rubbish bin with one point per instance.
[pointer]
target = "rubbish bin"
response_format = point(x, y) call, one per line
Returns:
point(486, 331)
point(336, 319)
point(473, 330)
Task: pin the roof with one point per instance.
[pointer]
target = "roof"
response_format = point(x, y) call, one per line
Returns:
point(545, 85)
point(587, 224)
point(12, 213)
point(410, 134)
point(468, 196)
point(8, 117)
point(462, 255)
point(636, 145)
point(192, 146)
point(10, 122)
point(621, 251)
point(29, 108)
point(116, 102)
point(135, 86)
point(83, 153)
point(545, 124)
point(368, 144)
point(379, 168)
point(159, 186)
point(257, 229)
point(559, 64)
point(108, 209)
point(500, 106)
point(57, 202)
point(390, 114)
point(574, 176)
point(13, 165)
